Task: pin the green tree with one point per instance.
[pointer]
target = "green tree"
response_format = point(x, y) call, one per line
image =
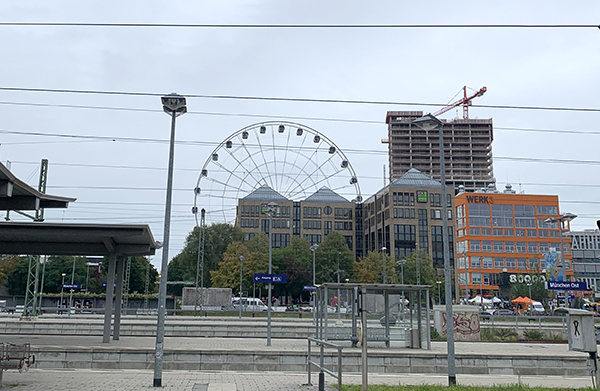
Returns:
point(366, 270)
point(333, 252)
point(228, 273)
point(295, 261)
point(216, 239)
point(8, 263)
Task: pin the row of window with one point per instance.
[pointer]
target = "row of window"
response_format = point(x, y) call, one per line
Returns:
point(255, 211)
point(511, 247)
point(508, 263)
point(530, 233)
point(343, 226)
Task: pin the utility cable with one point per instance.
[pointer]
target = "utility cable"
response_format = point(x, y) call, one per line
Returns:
point(285, 99)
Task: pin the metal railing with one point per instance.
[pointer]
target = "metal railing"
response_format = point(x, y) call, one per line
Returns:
point(321, 363)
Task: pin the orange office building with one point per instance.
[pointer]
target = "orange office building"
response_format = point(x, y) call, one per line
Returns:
point(504, 237)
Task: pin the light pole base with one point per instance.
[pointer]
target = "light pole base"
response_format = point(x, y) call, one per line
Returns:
point(157, 383)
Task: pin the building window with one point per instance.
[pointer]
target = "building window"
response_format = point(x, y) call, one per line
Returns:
point(547, 210)
point(474, 231)
point(531, 233)
point(499, 263)
point(532, 248)
point(486, 232)
point(327, 210)
point(522, 263)
point(486, 246)
point(502, 215)
point(521, 247)
point(475, 262)
point(479, 215)
point(312, 239)
point(544, 247)
point(520, 233)
point(497, 232)
point(498, 246)
point(510, 263)
point(543, 233)
point(488, 262)
point(509, 247)
point(475, 245)
point(508, 232)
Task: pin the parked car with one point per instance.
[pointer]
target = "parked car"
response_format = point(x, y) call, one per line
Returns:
point(537, 308)
point(504, 311)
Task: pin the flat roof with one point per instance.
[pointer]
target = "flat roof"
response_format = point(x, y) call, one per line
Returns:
point(388, 287)
point(40, 238)
point(17, 195)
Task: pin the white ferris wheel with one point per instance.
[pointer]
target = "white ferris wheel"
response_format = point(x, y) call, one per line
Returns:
point(290, 158)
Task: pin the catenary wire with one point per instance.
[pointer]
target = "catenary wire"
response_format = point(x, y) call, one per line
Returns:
point(284, 99)
point(293, 26)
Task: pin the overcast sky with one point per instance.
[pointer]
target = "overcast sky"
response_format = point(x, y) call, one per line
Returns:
point(124, 181)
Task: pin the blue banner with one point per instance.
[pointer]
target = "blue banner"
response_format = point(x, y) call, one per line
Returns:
point(311, 288)
point(72, 286)
point(271, 278)
point(567, 285)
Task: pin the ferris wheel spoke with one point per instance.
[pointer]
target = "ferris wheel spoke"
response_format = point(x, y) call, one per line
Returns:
point(319, 168)
point(240, 162)
point(309, 160)
point(262, 153)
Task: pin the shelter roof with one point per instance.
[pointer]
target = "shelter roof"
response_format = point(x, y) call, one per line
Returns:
point(35, 238)
point(17, 195)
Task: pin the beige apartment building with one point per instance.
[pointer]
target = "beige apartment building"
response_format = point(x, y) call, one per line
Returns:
point(312, 218)
point(407, 215)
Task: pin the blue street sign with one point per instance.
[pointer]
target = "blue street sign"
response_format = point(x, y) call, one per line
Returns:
point(104, 285)
point(311, 288)
point(271, 278)
point(71, 286)
point(567, 285)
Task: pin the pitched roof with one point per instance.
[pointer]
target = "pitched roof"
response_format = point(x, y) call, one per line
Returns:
point(264, 193)
point(326, 195)
point(415, 178)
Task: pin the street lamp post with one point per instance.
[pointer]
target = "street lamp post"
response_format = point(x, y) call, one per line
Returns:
point(481, 281)
point(530, 298)
point(383, 250)
point(401, 262)
point(439, 284)
point(72, 283)
point(270, 210)
point(62, 289)
point(241, 269)
point(566, 217)
point(173, 105)
point(466, 260)
point(430, 122)
point(314, 248)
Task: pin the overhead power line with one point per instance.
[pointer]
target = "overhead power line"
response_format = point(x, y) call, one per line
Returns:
point(295, 26)
point(284, 99)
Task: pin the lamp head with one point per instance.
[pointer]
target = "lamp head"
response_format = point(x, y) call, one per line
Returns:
point(174, 104)
point(241, 257)
point(428, 122)
point(64, 274)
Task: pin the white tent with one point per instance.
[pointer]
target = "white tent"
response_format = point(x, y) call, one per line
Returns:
point(478, 299)
point(496, 300)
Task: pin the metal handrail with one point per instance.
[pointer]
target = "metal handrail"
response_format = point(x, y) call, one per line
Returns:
point(321, 364)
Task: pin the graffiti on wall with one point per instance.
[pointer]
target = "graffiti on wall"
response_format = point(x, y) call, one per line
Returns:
point(466, 325)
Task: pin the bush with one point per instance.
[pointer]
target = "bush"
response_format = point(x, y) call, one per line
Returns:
point(533, 335)
point(435, 336)
point(508, 335)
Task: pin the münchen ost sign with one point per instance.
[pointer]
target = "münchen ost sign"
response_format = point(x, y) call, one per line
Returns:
point(567, 285)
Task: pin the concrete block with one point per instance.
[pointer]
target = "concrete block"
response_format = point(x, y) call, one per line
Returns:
point(179, 366)
point(105, 365)
point(524, 363)
point(397, 369)
point(396, 361)
point(105, 356)
point(500, 363)
point(79, 364)
point(422, 369)
point(211, 366)
point(213, 357)
point(189, 357)
point(58, 364)
point(262, 367)
point(266, 358)
point(501, 371)
point(531, 371)
point(136, 357)
point(467, 369)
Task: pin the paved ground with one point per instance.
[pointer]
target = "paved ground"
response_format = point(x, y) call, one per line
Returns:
point(66, 380)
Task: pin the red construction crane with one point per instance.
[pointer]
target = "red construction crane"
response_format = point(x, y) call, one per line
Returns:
point(465, 101)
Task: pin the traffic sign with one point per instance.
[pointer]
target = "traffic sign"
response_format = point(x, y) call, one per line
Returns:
point(71, 286)
point(311, 288)
point(271, 278)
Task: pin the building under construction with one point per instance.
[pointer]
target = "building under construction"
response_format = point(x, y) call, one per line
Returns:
point(467, 147)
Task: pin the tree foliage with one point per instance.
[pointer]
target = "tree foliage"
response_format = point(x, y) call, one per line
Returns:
point(228, 273)
point(183, 267)
point(82, 274)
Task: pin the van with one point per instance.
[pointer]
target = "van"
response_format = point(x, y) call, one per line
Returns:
point(537, 308)
point(249, 304)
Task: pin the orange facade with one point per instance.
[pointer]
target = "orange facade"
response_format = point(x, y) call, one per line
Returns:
point(505, 236)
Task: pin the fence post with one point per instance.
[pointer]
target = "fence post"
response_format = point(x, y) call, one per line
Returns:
point(339, 369)
point(321, 373)
point(309, 365)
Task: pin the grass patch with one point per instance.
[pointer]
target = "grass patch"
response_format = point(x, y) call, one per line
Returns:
point(534, 335)
point(423, 387)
